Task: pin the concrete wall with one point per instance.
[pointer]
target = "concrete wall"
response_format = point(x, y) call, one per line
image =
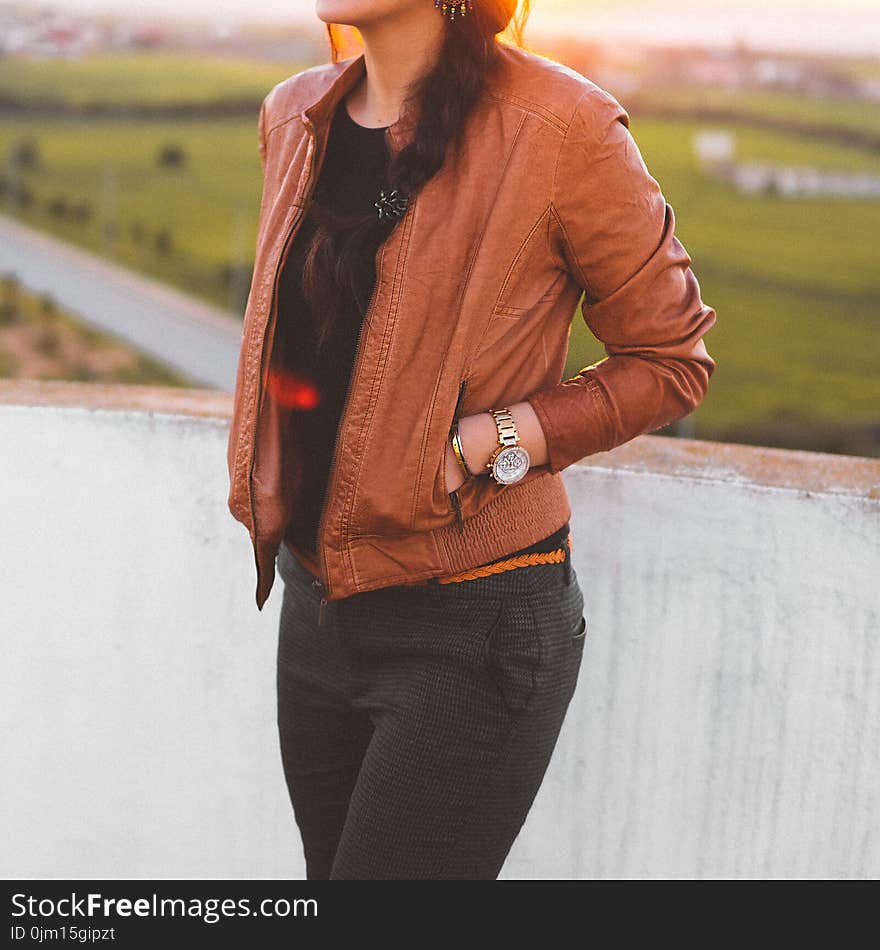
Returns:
point(727, 718)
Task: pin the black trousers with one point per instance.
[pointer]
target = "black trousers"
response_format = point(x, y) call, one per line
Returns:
point(417, 723)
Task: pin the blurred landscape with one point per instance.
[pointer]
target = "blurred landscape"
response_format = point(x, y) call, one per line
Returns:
point(40, 341)
point(136, 139)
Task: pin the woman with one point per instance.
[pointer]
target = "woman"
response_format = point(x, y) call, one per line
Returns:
point(432, 211)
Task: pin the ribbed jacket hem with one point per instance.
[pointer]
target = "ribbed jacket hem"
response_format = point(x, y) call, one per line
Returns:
point(514, 519)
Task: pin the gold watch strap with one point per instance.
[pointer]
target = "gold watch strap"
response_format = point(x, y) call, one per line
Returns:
point(507, 434)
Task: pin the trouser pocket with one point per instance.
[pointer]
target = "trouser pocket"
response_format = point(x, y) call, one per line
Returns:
point(538, 635)
point(552, 649)
point(513, 652)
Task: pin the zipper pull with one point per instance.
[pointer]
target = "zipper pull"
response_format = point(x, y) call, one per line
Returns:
point(318, 585)
point(456, 504)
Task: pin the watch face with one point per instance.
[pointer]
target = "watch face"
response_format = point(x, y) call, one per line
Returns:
point(511, 464)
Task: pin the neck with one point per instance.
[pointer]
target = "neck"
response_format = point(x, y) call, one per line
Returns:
point(397, 51)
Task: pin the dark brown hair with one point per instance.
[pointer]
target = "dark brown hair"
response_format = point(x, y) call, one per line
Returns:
point(446, 92)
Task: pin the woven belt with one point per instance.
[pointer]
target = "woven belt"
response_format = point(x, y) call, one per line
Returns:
point(557, 556)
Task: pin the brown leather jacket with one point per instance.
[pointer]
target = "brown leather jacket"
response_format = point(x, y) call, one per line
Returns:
point(476, 288)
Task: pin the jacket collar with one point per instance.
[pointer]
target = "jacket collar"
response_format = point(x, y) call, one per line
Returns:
point(320, 111)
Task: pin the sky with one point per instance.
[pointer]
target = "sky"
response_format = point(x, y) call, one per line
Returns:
point(824, 25)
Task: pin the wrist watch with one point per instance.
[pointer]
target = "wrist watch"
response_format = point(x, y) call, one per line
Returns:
point(510, 461)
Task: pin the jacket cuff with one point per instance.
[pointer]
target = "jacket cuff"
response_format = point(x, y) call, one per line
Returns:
point(575, 419)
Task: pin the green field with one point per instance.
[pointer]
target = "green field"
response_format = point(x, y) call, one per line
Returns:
point(795, 283)
point(157, 78)
point(209, 205)
point(786, 106)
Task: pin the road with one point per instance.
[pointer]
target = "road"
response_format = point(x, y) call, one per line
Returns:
point(197, 340)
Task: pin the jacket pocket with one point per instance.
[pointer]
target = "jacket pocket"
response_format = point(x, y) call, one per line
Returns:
point(436, 506)
point(455, 496)
point(432, 504)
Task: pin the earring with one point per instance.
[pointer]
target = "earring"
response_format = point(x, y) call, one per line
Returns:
point(449, 7)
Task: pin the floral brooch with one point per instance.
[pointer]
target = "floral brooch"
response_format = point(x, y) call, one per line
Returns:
point(391, 204)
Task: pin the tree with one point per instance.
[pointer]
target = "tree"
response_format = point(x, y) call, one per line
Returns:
point(10, 299)
point(57, 206)
point(171, 155)
point(81, 212)
point(25, 155)
point(163, 241)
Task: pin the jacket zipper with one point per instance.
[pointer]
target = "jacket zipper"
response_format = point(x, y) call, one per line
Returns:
point(454, 496)
point(318, 583)
point(331, 480)
point(310, 183)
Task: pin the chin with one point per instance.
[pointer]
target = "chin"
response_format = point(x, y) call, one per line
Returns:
point(356, 12)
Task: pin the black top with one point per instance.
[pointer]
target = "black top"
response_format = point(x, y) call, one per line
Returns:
point(351, 176)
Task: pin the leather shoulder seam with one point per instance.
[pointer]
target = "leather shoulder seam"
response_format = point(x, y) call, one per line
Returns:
point(286, 89)
point(276, 121)
point(533, 108)
point(277, 125)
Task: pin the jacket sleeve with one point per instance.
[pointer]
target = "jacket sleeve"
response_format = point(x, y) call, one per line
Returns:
point(235, 422)
point(261, 134)
point(641, 299)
